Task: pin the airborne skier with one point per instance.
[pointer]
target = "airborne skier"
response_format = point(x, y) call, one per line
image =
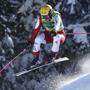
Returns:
point(51, 21)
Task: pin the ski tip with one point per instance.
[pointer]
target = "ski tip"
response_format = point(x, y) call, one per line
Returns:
point(66, 58)
point(18, 74)
point(24, 49)
point(61, 59)
point(15, 75)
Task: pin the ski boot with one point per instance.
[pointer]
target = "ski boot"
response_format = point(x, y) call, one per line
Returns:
point(50, 57)
point(36, 62)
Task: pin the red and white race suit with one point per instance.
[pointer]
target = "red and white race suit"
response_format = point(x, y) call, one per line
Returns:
point(46, 37)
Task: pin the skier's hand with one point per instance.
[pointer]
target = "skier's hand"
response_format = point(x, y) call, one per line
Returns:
point(30, 41)
point(53, 34)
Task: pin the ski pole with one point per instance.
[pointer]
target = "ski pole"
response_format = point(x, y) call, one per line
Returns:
point(78, 33)
point(11, 61)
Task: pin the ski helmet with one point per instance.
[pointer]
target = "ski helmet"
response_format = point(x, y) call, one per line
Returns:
point(45, 9)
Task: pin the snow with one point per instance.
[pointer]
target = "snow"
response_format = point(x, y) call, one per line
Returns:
point(9, 75)
point(81, 83)
point(28, 5)
point(25, 6)
point(80, 37)
point(57, 7)
point(3, 17)
point(40, 2)
point(72, 9)
point(72, 2)
point(14, 1)
point(50, 79)
point(25, 60)
point(8, 41)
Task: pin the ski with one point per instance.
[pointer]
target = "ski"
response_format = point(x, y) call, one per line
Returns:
point(41, 66)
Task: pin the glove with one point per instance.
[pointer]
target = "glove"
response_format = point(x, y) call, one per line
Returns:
point(53, 34)
point(30, 41)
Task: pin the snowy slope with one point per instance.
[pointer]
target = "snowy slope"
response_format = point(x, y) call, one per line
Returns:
point(80, 83)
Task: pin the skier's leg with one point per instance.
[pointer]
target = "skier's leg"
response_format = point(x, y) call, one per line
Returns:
point(57, 40)
point(36, 48)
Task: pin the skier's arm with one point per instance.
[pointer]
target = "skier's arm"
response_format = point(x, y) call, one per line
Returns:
point(59, 29)
point(36, 30)
point(58, 25)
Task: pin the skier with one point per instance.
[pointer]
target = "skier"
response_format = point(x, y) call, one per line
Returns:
point(51, 21)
